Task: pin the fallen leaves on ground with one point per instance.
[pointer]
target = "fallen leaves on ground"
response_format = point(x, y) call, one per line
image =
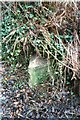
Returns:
point(25, 103)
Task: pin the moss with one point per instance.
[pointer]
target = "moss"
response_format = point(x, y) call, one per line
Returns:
point(38, 75)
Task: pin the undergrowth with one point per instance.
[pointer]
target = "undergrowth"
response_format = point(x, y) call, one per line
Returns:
point(47, 29)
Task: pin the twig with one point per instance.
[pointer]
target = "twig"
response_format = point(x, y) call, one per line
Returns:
point(60, 61)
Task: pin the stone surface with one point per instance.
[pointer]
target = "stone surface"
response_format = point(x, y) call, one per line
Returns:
point(38, 70)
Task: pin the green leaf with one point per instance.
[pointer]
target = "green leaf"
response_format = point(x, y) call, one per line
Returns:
point(32, 27)
point(12, 53)
point(43, 22)
point(30, 6)
point(72, 93)
point(61, 36)
point(18, 11)
point(35, 18)
point(67, 83)
point(31, 16)
point(52, 36)
point(67, 37)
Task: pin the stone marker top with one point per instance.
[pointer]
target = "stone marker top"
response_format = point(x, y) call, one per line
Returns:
point(37, 61)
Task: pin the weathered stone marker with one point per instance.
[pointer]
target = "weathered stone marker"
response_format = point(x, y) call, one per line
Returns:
point(38, 70)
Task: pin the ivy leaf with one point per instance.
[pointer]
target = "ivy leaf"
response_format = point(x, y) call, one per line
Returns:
point(35, 18)
point(27, 7)
point(31, 16)
point(32, 27)
point(52, 36)
point(72, 93)
point(69, 38)
point(68, 83)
